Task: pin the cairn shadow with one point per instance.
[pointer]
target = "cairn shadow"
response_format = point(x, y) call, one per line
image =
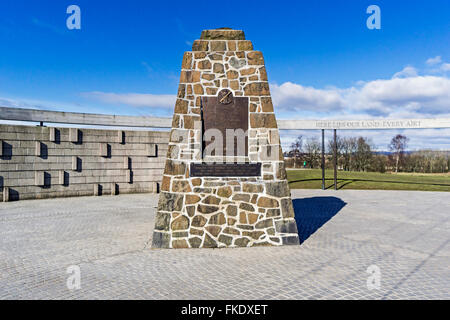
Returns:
point(343, 182)
point(312, 213)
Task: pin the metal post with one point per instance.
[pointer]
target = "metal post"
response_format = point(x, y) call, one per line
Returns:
point(323, 159)
point(335, 160)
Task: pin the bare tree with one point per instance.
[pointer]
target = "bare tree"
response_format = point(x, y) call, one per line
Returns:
point(339, 147)
point(296, 148)
point(378, 163)
point(398, 145)
point(349, 147)
point(312, 152)
point(363, 154)
point(427, 161)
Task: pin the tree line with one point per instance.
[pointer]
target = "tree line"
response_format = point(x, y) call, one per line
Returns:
point(357, 154)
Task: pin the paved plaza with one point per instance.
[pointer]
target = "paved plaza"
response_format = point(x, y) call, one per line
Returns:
point(405, 234)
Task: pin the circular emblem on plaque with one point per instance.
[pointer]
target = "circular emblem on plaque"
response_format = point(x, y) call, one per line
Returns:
point(225, 96)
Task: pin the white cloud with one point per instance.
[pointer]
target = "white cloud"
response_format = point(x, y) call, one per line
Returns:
point(134, 99)
point(12, 103)
point(424, 94)
point(295, 96)
point(434, 61)
point(445, 67)
point(407, 72)
point(417, 96)
point(25, 103)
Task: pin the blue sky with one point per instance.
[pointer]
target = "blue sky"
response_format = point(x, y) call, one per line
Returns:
point(322, 60)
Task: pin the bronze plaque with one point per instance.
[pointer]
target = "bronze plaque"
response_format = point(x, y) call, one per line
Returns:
point(225, 169)
point(226, 112)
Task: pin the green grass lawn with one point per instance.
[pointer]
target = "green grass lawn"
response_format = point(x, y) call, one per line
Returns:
point(312, 179)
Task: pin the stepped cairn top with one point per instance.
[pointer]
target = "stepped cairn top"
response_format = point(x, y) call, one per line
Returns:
point(221, 40)
point(222, 34)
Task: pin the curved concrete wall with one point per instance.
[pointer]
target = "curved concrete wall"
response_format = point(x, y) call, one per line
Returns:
point(45, 162)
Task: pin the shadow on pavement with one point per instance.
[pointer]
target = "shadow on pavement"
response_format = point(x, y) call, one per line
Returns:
point(345, 182)
point(313, 213)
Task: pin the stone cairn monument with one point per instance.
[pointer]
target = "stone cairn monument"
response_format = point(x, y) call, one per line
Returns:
point(242, 200)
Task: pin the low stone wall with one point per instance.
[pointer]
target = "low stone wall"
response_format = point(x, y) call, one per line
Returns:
point(45, 162)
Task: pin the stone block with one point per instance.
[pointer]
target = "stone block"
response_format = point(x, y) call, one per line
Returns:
point(52, 134)
point(195, 242)
point(181, 186)
point(232, 210)
point(227, 240)
point(246, 207)
point(39, 178)
point(241, 242)
point(105, 150)
point(245, 45)
point(216, 45)
point(287, 208)
point(209, 242)
point(129, 176)
point(218, 218)
point(121, 137)
point(187, 60)
point(180, 223)
point(204, 64)
point(266, 202)
point(37, 148)
point(264, 224)
point(161, 240)
point(278, 189)
point(175, 168)
point(199, 221)
point(114, 189)
point(257, 89)
point(213, 200)
point(255, 58)
point(6, 194)
point(286, 226)
point(200, 45)
point(97, 189)
point(170, 202)
point(126, 162)
point(224, 192)
point(206, 209)
point(62, 178)
point(75, 163)
point(192, 199)
point(190, 76)
point(152, 150)
point(180, 244)
point(263, 120)
point(291, 240)
point(252, 188)
point(181, 106)
point(266, 104)
point(155, 187)
point(74, 135)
